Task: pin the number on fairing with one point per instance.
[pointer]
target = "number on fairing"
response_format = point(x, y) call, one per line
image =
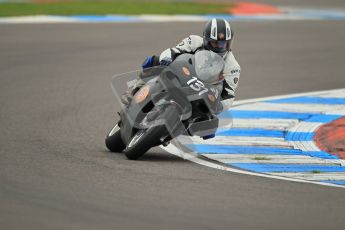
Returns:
point(197, 85)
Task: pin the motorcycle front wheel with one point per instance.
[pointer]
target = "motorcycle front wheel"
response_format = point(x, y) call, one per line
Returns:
point(143, 140)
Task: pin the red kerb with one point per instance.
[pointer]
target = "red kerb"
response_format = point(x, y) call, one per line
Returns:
point(249, 8)
point(331, 137)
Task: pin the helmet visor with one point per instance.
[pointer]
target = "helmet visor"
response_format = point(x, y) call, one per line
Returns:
point(219, 47)
point(218, 44)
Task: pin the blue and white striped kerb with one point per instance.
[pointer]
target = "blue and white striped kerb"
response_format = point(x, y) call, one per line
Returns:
point(274, 137)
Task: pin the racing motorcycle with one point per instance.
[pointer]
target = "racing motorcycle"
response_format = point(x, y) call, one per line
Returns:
point(180, 99)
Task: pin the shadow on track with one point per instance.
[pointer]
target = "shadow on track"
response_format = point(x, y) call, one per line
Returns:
point(152, 156)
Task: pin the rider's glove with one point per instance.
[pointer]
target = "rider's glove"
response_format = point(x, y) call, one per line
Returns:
point(166, 61)
point(148, 62)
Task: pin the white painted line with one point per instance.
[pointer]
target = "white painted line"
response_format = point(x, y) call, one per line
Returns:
point(338, 112)
point(260, 99)
point(38, 19)
point(313, 176)
point(235, 140)
point(246, 156)
point(272, 124)
point(338, 94)
point(304, 145)
point(285, 107)
point(270, 159)
point(308, 127)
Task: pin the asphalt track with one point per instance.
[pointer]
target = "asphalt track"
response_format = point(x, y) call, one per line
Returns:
point(57, 105)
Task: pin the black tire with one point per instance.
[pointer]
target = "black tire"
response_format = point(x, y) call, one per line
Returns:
point(148, 139)
point(151, 136)
point(113, 140)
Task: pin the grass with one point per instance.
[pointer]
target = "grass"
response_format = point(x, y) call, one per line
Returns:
point(111, 7)
point(316, 171)
point(262, 158)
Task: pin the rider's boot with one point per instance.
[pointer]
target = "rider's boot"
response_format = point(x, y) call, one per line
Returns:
point(210, 136)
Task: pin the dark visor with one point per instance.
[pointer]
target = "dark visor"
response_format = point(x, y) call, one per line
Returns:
point(218, 44)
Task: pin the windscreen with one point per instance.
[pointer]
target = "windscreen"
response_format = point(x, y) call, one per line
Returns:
point(208, 66)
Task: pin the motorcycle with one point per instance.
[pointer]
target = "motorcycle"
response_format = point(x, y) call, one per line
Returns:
point(180, 99)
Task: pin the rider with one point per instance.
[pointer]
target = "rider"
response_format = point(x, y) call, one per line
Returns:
point(217, 37)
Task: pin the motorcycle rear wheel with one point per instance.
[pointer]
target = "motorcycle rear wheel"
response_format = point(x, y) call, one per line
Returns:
point(113, 141)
